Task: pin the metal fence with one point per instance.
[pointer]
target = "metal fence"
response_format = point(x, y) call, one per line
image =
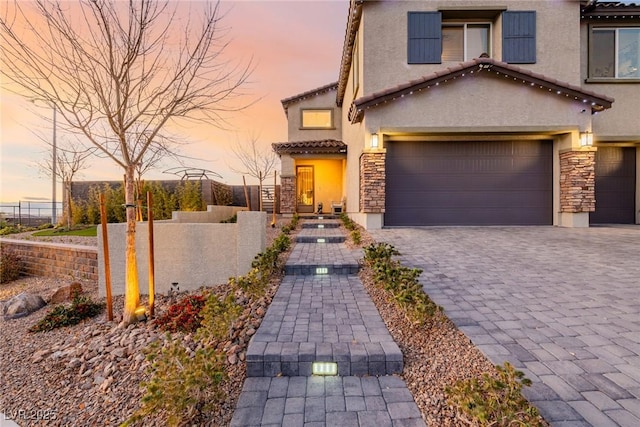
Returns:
point(29, 214)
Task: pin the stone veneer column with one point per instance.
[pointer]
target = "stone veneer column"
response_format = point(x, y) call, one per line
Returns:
point(287, 194)
point(577, 181)
point(372, 182)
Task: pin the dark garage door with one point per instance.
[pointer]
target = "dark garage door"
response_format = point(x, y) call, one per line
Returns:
point(469, 183)
point(615, 186)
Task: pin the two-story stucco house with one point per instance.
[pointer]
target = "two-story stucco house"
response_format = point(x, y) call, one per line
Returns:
point(474, 112)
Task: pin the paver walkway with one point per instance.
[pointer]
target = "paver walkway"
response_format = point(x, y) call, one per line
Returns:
point(322, 313)
point(561, 304)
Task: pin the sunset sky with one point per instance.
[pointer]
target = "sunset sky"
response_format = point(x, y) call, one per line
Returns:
point(295, 45)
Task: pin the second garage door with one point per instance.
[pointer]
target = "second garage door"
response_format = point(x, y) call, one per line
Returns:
point(469, 183)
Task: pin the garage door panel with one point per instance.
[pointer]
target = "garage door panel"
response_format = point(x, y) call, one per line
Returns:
point(464, 199)
point(435, 182)
point(615, 171)
point(469, 183)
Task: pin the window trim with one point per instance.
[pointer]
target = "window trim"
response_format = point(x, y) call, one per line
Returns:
point(303, 127)
point(614, 79)
point(464, 25)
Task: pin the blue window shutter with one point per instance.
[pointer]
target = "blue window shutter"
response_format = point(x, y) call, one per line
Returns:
point(519, 37)
point(424, 44)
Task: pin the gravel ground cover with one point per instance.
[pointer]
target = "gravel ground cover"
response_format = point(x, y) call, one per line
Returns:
point(89, 374)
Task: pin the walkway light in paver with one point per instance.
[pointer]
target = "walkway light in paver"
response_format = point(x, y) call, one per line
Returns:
point(322, 270)
point(324, 368)
point(321, 241)
point(320, 225)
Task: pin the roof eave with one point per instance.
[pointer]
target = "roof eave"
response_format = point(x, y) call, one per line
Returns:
point(596, 102)
point(353, 23)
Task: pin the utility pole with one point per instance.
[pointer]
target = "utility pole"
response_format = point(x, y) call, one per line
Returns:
point(53, 170)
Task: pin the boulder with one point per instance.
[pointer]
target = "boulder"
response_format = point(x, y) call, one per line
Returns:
point(65, 293)
point(21, 305)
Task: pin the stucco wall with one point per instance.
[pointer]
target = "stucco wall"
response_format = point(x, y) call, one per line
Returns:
point(322, 101)
point(213, 214)
point(477, 103)
point(385, 39)
point(191, 254)
point(619, 123)
point(55, 260)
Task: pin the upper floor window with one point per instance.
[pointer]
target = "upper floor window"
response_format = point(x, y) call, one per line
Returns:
point(463, 42)
point(432, 41)
point(317, 119)
point(615, 53)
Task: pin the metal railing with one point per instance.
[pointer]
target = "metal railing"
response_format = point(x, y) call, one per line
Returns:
point(28, 213)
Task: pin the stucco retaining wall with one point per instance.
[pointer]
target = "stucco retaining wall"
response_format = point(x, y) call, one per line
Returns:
point(211, 215)
point(191, 254)
point(54, 259)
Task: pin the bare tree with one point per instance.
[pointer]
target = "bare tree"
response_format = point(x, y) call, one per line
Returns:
point(256, 161)
point(120, 72)
point(71, 158)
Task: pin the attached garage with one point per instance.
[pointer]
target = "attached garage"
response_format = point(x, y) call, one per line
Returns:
point(469, 183)
point(615, 186)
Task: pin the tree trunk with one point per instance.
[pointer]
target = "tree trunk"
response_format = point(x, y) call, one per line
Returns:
point(132, 288)
point(69, 212)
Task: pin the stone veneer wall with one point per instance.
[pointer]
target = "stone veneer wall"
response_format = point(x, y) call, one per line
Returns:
point(55, 260)
point(577, 181)
point(372, 182)
point(287, 194)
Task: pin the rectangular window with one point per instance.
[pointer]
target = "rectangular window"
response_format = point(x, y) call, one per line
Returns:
point(615, 53)
point(317, 119)
point(463, 42)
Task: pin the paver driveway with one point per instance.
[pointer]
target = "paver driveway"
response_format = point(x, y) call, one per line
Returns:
point(562, 304)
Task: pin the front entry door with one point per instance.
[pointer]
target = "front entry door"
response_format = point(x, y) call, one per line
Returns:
point(304, 185)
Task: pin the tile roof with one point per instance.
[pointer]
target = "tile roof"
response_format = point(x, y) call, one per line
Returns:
point(322, 146)
point(314, 92)
point(610, 10)
point(536, 81)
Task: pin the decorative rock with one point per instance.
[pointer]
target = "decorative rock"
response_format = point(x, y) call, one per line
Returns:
point(74, 363)
point(21, 305)
point(65, 293)
point(39, 355)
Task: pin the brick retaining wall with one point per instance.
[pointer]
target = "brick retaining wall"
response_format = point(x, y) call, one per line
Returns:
point(54, 259)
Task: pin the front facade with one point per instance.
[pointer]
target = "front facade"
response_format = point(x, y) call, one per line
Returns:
point(474, 113)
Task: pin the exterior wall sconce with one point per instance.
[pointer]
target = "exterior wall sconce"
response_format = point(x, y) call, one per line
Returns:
point(374, 143)
point(586, 139)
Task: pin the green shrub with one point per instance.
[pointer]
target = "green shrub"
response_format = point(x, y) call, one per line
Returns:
point(62, 315)
point(190, 196)
point(356, 236)
point(182, 385)
point(12, 229)
point(495, 401)
point(400, 281)
point(10, 266)
point(231, 220)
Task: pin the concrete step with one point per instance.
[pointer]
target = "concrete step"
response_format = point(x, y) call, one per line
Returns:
point(308, 259)
point(320, 224)
point(320, 239)
point(322, 319)
point(320, 235)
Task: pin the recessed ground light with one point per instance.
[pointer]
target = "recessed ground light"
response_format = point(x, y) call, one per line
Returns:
point(324, 368)
point(321, 241)
point(320, 225)
point(320, 217)
point(322, 270)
